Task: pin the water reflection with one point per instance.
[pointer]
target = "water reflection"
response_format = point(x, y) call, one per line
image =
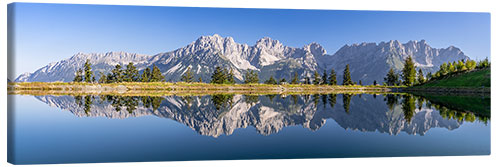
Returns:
point(215, 115)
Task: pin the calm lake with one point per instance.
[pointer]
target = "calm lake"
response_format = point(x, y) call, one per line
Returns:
point(84, 129)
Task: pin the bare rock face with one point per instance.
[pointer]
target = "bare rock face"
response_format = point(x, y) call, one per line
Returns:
point(269, 57)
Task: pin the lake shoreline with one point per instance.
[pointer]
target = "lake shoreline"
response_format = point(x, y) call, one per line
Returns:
point(187, 88)
point(167, 88)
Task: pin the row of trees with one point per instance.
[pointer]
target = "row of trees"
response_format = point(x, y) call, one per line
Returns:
point(410, 76)
point(325, 79)
point(219, 76)
point(85, 75)
point(460, 66)
point(129, 74)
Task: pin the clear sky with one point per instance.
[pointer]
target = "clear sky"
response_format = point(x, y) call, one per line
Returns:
point(47, 33)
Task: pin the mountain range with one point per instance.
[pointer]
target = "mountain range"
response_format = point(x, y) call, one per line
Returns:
point(268, 114)
point(269, 57)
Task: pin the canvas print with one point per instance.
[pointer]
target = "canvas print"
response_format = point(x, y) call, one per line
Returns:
point(109, 83)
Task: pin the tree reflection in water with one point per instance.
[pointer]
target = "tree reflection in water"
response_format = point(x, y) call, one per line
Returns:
point(408, 107)
point(410, 104)
point(346, 99)
point(221, 101)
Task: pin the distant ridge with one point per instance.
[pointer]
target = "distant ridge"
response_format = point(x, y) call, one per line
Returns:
point(269, 57)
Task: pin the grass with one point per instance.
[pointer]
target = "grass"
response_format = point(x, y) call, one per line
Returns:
point(167, 88)
point(473, 79)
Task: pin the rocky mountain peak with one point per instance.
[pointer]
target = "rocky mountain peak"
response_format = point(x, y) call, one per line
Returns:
point(267, 42)
point(316, 49)
point(369, 61)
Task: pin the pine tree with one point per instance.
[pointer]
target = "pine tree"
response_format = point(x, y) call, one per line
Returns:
point(375, 82)
point(103, 78)
point(470, 64)
point(230, 77)
point(217, 76)
point(131, 74)
point(391, 78)
point(88, 71)
point(251, 77)
point(271, 81)
point(483, 64)
point(78, 76)
point(324, 78)
point(360, 83)
point(333, 77)
point(283, 81)
point(156, 75)
point(420, 77)
point(347, 76)
point(317, 79)
point(409, 72)
point(117, 74)
point(307, 81)
point(443, 69)
point(461, 66)
point(451, 67)
point(295, 79)
point(187, 76)
point(146, 75)
point(429, 76)
point(225, 77)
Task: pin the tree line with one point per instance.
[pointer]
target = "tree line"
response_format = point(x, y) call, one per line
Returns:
point(410, 76)
point(219, 76)
point(119, 74)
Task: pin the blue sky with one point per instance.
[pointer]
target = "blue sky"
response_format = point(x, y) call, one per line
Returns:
point(47, 33)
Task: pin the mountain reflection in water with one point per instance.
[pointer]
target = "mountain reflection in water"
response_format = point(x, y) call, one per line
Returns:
point(214, 115)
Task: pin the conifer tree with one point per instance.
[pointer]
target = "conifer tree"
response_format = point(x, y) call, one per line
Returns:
point(78, 76)
point(88, 71)
point(429, 76)
point(251, 77)
point(307, 81)
point(317, 79)
point(451, 67)
point(187, 76)
point(360, 83)
point(409, 72)
point(271, 81)
point(103, 78)
point(217, 76)
point(295, 79)
point(324, 78)
point(333, 77)
point(230, 77)
point(470, 64)
point(283, 81)
point(484, 63)
point(420, 77)
point(374, 82)
point(131, 73)
point(391, 78)
point(347, 76)
point(146, 75)
point(461, 66)
point(156, 75)
point(443, 69)
point(117, 74)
